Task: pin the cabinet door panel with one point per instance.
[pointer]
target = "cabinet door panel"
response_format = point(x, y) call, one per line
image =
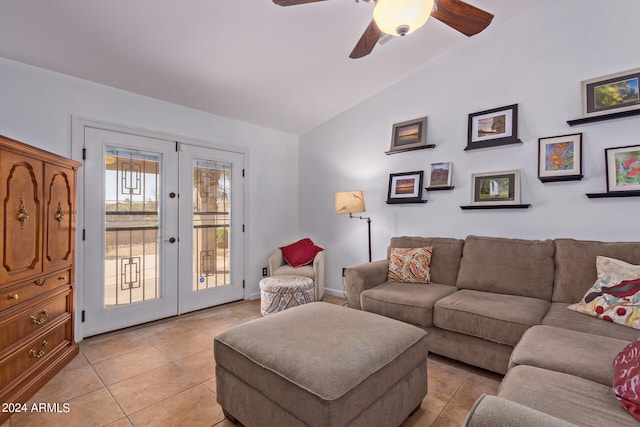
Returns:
point(21, 230)
point(59, 216)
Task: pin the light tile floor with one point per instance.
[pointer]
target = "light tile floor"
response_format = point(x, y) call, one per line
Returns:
point(162, 374)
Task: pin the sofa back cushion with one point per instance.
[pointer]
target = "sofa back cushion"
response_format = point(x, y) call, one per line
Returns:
point(445, 259)
point(576, 264)
point(508, 266)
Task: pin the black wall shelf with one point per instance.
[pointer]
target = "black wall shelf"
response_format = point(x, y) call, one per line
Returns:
point(475, 207)
point(489, 144)
point(405, 203)
point(613, 194)
point(618, 115)
point(404, 150)
point(440, 188)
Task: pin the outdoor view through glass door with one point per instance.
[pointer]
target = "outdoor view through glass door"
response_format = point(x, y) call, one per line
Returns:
point(161, 234)
point(214, 230)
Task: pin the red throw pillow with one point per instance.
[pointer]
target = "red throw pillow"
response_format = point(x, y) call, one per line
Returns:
point(300, 253)
point(626, 378)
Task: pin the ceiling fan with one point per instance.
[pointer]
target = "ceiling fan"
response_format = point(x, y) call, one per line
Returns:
point(401, 17)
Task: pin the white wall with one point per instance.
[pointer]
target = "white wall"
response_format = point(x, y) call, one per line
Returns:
point(536, 60)
point(36, 107)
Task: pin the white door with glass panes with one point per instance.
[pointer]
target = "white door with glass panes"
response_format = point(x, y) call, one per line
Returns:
point(163, 234)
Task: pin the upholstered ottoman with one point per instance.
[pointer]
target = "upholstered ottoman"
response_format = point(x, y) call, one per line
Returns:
point(278, 293)
point(321, 364)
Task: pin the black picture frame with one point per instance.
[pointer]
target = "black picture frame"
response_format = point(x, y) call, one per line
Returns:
point(611, 94)
point(623, 168)
point(495, 188)
point(405, 187)
point(560, 158)
point(492, 128)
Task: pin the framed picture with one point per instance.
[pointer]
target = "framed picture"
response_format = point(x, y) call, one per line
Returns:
point(560, 158)
point(440, 175)
point(611, 94)
point(495, 188)
point(623, 168)
point(405, 187)
point(409, 135)
point(492, 128)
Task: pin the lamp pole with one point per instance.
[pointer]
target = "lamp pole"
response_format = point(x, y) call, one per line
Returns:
point(368, 227)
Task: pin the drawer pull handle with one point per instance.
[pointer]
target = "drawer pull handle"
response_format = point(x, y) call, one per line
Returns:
point(22, 215)
point(44, 315)
point(59, 216)
point(39, 354)
point(40, 281)
point(13, 297)
point(62, 278)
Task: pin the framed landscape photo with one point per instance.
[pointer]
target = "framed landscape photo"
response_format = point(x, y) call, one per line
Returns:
point(623, 168)
point(409, 135)
point(495, 188)
point(611, 94)
point(560, 158)
point(405, 187)
point(440, 176)
point(492, 128)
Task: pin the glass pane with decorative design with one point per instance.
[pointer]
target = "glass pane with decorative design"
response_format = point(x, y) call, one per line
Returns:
point(132, 226)
point(211, 223)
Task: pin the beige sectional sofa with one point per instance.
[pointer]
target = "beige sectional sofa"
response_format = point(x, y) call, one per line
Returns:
point(489, 296)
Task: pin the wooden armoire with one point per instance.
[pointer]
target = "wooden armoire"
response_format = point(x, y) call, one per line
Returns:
point(37, 248)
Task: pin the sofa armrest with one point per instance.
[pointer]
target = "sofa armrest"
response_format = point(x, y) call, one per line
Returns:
point(362, 277)
point(493, 411)
point(318, 269)
point(275, 261)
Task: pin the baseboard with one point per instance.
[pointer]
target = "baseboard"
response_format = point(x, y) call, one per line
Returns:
point(335, 292)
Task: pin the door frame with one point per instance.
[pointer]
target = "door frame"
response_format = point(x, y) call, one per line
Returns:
point(78, 126)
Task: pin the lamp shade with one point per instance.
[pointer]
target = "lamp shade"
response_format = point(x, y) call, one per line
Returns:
point(401, 17)
point(349, 202)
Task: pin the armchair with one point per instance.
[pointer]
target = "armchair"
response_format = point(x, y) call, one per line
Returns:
point(315, 270)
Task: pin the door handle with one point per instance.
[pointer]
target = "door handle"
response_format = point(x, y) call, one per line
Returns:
point(171, 240)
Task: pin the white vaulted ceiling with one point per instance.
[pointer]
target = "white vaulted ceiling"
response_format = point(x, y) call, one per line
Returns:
point(285, 68)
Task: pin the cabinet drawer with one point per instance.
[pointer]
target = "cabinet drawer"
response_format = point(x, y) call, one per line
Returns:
point(14, 295)
point(35, 353)
point(33, 318)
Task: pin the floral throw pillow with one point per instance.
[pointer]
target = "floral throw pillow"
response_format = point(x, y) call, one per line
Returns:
point(626, 378)
point(615, 296)
point(410, 265)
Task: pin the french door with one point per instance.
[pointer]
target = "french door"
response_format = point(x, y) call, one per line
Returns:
point(163, 229)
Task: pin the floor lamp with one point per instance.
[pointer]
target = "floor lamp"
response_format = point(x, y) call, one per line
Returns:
point(353, 202)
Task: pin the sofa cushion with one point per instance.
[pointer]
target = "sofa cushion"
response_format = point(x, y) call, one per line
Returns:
point(576, 264)
point(573, 399)
point(303, 270)
point(508, 266)
point(615, 296)
point(445, 260)
point(496, 317)
point(410, 265)
point(577, 353)
point(626, 378)
point(409, 302)
point(559, 316)
point(492, 411)
point(300, 253)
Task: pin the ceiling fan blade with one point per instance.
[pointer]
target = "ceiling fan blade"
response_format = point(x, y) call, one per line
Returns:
point(367, 41)
point(293, 2)
point(467, 19)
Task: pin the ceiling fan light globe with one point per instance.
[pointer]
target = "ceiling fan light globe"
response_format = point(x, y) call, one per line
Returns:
point(401, 17)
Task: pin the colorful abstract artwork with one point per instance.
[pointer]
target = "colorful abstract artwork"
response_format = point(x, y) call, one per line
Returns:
point(559, 156)
point(628, 168)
